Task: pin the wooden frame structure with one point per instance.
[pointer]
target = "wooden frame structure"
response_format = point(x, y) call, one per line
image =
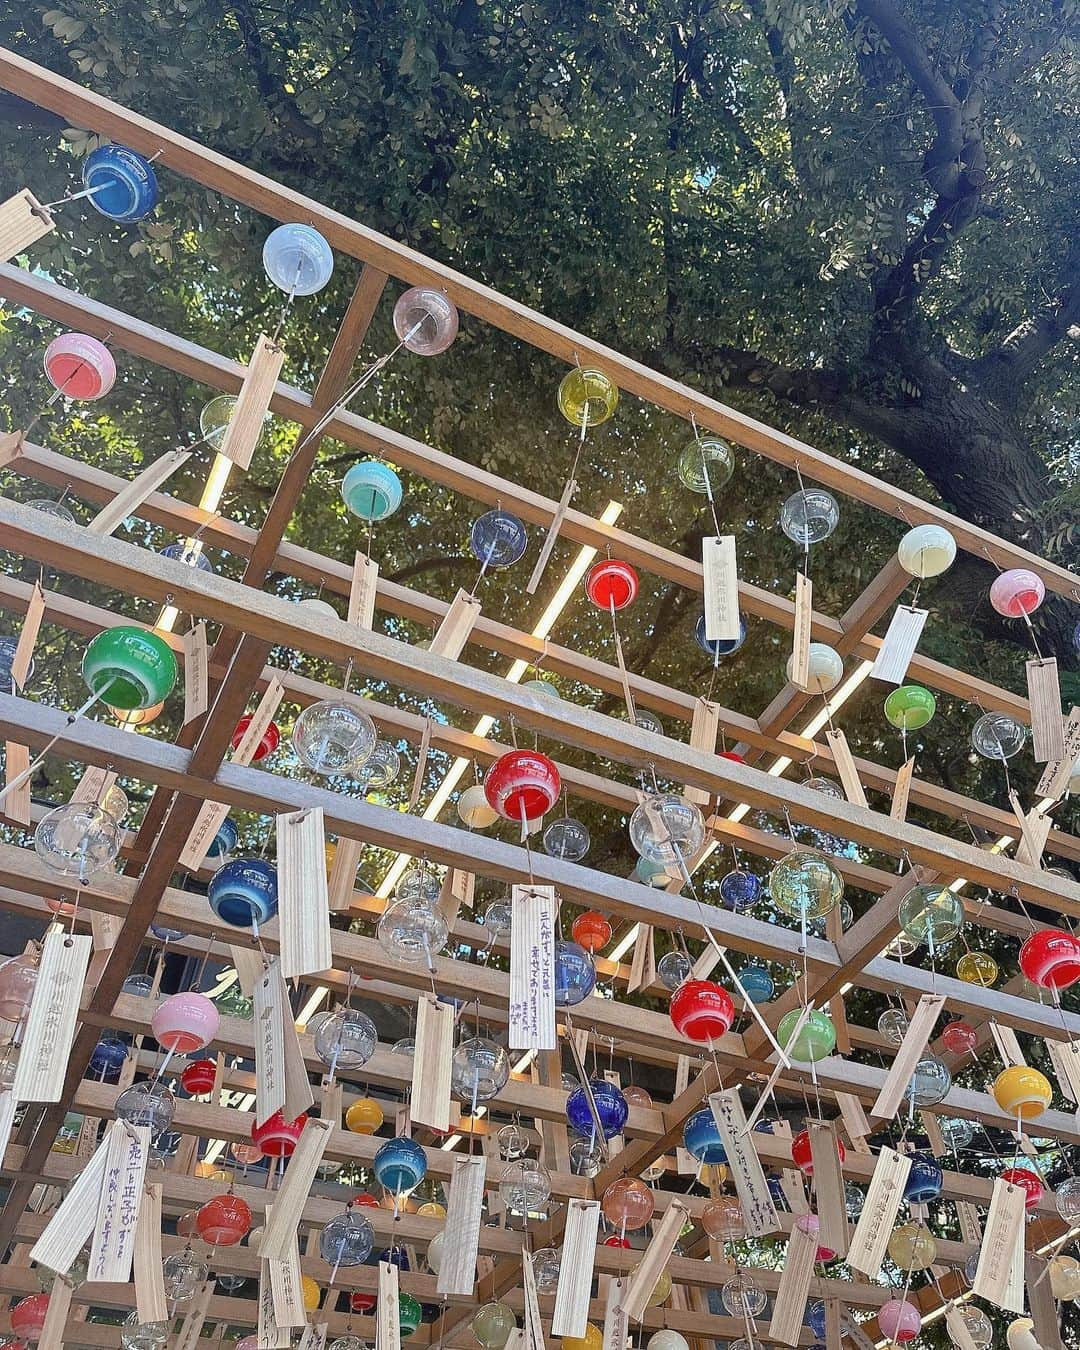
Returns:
point(251, 622)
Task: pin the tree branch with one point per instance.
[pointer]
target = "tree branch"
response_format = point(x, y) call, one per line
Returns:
point(1022, 350)
point(281, 106)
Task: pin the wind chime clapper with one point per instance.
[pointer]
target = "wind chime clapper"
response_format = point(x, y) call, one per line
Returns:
point(586, 398)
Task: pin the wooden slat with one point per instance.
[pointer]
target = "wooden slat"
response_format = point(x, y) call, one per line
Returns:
point(289, 1201)
point(800, 642)
point(17, 782)
point(363, 591)
point(907, 1056)
point(28, 636)
point(845, 767)
point(704, 729)
point(196, 675)
point(50, 1026)
point(571, 1312)
point(252, 402)
point(342, 877)
point(23, 221)
point(532, 968)
point(464, 1211)
point(127, 502)
point(759, 1212)
point(999, 1276)
point(883, 1198)
point(112, 1248)
point(303, 896)
point(1055, 777)
point(898, 645)
point(902, 790)
point(56, 1315)
point(1044, 696)
point(654, 1260)
point(829, 1186)
point(388, 1323)
point(430, 1098)
point(149, 1285)
point(720, 577)
point(458, 623)
point(790, 1306)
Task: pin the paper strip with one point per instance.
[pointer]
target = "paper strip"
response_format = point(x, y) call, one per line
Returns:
point(303, 895)
point(363, 592)
point(430, 1099)
point(196, 674)
point(907, 1056)
point(1044, 696)
point(759, 1212)
point(532, 968)
point(721, 585)
point(883, 1198)
point(898, 645)
point(571, 1314)
point(999, 1276)
point(132, 495)
point(23, 220)
point(50, 1026)
point(457, 623)
point(800, 648)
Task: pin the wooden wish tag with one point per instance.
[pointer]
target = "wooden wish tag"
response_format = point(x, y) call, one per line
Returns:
point(1044, 696)
point(210, 819)
point(342, 880)
point(270, 1335)
point(461, 1243)
point(759, 1212)
point(907, 1056)
point(704, 729)
point(245, 426)
point(363, 591)
point(54, 1008)
point(866, 1251)
point(855, 1122)
point(1058, 771)
point(130, 497)
point(303, 894)
point(834, 1326)
point(93, 785)
point(191, 1328)
point(430, 1098)
point(970, 1224)
point(800, 637)
point(387, 1312)
point(793, 1290)
point(23, 221)
point(571, 1314)
point(248, 964)
point(934, 1137)
point(654, 1260)
point(286, 1285)
point(196, 673)
point(1046, 1320)
point(112, 1248)
point(898, 645)
point(1008, 1047)
point(457, 624)
point(149, 1285)
point(999, 1276)
point(16, 796)
point(73, 1222)
point(280, 1045)
point(314, 1337)
point(11, 447)
point(643, 961)
point(282, 1223)
point(8, 1103)
point(902, 790)
point(261, 718)
point(534, 1326)
point(845, 767)
point(28, 636)
point(829, 1186)
point(1034, 832)
point(721, 587)
point(1065, 1057)
point(56, 1315)
point(616, 1322)
point(532, 968)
